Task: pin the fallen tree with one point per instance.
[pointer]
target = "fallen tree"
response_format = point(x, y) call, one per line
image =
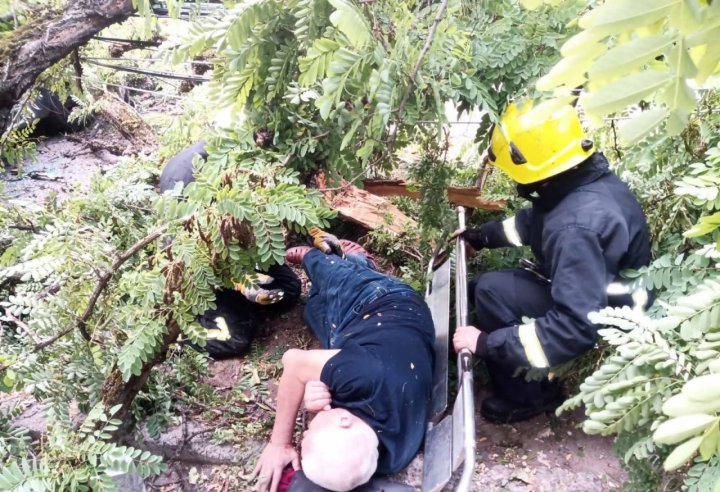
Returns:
point(53, 35)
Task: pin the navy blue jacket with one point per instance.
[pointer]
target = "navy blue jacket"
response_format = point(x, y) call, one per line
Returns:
point(584, 227)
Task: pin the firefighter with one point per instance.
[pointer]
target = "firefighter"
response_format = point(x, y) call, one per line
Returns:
point(584, 227)
point(240, 311)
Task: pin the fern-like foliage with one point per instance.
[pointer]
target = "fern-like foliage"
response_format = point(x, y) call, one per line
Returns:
point(658, 382)
point(99, 459)
point(632, 52)
point(326, 76)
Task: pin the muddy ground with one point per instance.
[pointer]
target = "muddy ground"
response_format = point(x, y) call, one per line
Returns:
point(546, 453)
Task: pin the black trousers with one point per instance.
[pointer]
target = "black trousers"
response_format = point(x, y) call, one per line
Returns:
point(501, 299)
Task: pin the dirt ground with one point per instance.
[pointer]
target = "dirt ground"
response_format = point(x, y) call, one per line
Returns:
point(61, 165)
point(544, 454)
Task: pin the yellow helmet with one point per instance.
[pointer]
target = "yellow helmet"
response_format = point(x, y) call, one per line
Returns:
point(533, 147)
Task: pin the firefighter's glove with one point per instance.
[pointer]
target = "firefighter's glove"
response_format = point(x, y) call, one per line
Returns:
point(326, 242)
point(470, 237)
point(252, 289)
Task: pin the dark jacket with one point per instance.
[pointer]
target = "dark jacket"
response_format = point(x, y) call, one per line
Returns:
point(240, 318)
point(584, 227)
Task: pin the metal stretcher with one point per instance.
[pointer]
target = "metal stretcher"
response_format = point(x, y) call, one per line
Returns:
point(449, 440)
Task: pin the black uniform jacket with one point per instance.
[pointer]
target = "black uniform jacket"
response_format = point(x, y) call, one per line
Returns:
point(584, 227)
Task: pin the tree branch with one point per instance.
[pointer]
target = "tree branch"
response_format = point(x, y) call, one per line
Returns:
point(81, 321)
point(32, 48)
point(9, 317)
point(413, 75)
point(107, 276)
point(615, 140)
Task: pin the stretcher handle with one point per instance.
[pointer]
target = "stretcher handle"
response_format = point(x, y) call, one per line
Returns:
point(464, 361)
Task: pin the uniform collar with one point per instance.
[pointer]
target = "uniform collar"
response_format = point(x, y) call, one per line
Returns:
point(548, 193)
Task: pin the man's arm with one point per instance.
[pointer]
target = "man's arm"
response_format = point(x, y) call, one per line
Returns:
point(299, 367)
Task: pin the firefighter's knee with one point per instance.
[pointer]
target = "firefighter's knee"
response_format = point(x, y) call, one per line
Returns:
point(490, 293)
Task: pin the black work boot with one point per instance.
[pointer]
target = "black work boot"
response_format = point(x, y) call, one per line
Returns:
point(499, 411)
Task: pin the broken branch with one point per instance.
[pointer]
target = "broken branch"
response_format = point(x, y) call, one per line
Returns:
point(467, 197)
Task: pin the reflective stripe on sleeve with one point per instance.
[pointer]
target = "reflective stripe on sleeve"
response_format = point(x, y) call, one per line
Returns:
point(222, 333)
point(640, 300)
point(617, 289)
point(531, 343)
point(511, 232)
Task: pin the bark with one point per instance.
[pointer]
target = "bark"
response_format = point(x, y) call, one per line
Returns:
point(129, 124)
point(356, 205)
point(117, 392)
point(37, 45)
point(467, 197)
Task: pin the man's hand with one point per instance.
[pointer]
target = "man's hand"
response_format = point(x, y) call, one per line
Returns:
point(317, 396)
point(466, 337)
point(444, 254)
point(271, 464)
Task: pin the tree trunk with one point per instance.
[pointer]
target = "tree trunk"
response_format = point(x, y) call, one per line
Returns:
point(117, 392)
point(40, 43)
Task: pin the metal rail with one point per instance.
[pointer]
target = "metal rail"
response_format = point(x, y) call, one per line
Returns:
point(464, 362)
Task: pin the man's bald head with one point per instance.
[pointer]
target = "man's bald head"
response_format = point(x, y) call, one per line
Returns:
point(339, 450)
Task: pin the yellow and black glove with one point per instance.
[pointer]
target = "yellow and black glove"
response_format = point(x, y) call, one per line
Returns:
point(254, 292)
point(326, 242)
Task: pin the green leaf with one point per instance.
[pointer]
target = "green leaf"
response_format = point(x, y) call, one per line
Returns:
point(704, 226)
point(351, 22)
point(686, 17)
point(709, 444)
point(642, 124)
point(707, 65)
point(627, 56)
point(350, 134)
point(324, 104)
point(582, 44)
point(531, 4)
point(616, 16)
point(682, 454)
point(627, 90)
point(569, 71)
point(680, 428)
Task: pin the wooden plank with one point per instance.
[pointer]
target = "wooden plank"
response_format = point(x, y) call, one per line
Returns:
point(467, 197)
point(369, 210)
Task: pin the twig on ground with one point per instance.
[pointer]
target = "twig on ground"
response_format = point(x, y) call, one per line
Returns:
point(38, 176)
point(21, 227)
